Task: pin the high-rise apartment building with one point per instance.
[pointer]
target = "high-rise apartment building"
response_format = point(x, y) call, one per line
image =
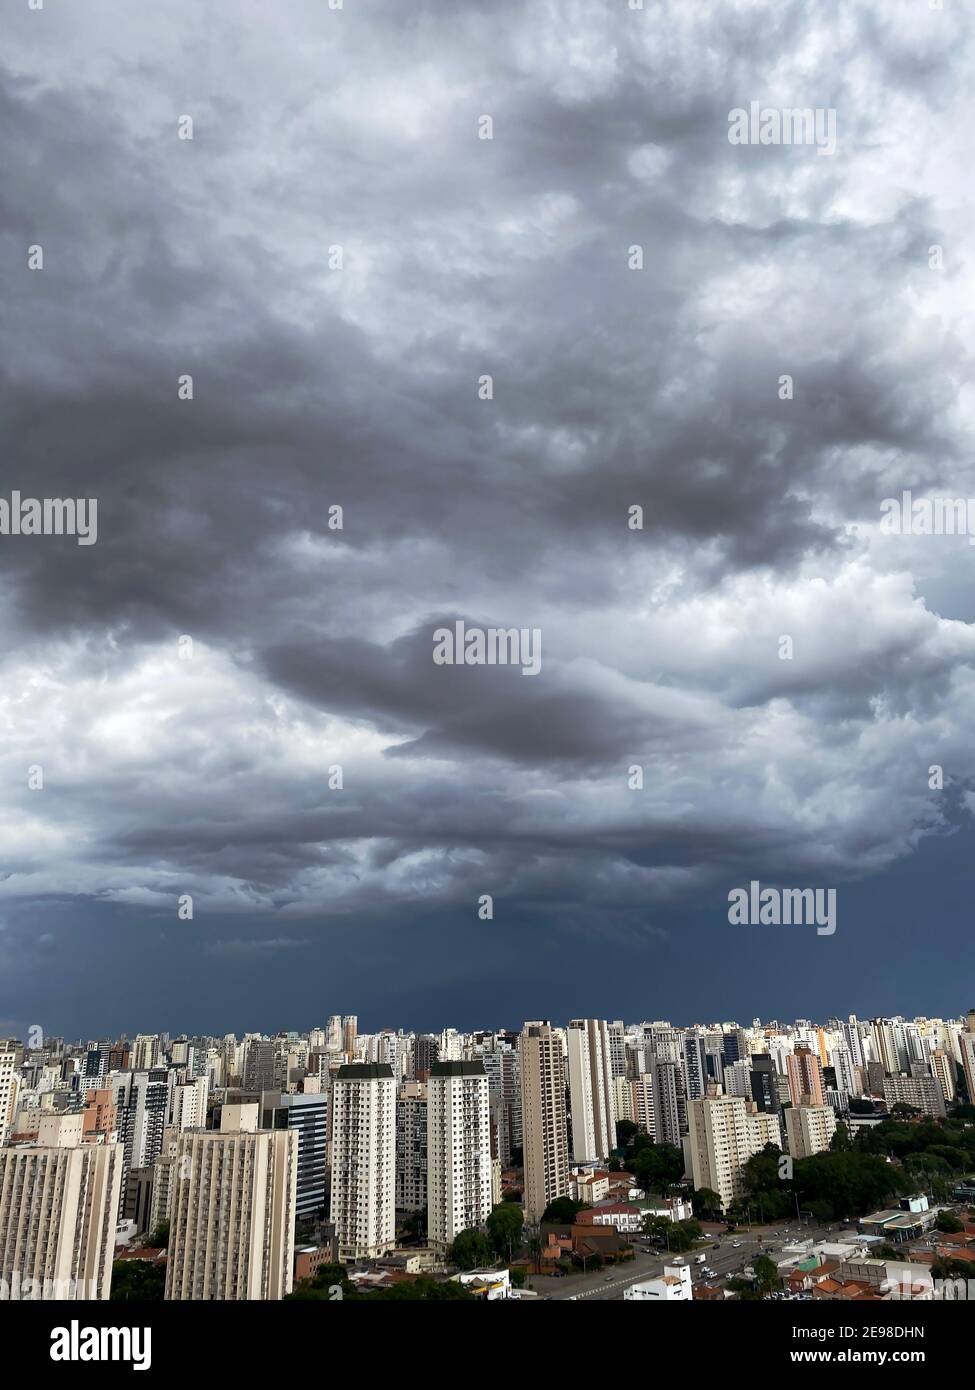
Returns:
point(921, 1093)
point(458, 1151)
point(809, 1129)
point(668, 1100)
point(723, 1135)
point(411, 1146)
point(805, 1073)
point(966, 1046)
point(363, 1201)
point(189, 1104)
point(543, 1118)
point(59, 1201)
point(233, 1211)
point(591, 1098)
point(9, 1088)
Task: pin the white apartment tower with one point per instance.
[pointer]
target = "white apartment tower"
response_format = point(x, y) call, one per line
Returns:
point(543, 1118)
point(591, 1096)
point(9, 1086)
point(724, 1133)
point(363, 1203)
point(58, 1204)
point(458, 1151)
point(233, 1211)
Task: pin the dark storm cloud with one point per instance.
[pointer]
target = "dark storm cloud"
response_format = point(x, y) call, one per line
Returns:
point(358, 387)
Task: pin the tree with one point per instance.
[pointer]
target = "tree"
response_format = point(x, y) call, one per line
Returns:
point(744, 1290)
point(504, 1227)
point(137, 1281)
point(766, 1275)
point(563, 1211)
point(625, 1132)
point(706, 1202)
point(841, 1141)
point(159, 1240)
point(654, 1226)
point(471, 1249)
point(949, 1223)
point(655, 1166)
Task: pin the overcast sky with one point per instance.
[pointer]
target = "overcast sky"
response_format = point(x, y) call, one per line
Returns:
point(315, 387)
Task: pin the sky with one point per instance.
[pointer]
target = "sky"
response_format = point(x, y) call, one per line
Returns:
point(486, 352)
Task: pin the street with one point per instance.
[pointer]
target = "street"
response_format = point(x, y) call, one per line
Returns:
point(726, 1261)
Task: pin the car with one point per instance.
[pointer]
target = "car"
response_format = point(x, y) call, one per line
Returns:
point(607, 1278)
point(716, 1245)
point(736, 1245)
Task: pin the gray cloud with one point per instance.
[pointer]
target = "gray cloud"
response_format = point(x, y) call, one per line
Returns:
point(358, 387)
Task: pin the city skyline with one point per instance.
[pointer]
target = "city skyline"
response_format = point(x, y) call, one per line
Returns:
point(506, 463)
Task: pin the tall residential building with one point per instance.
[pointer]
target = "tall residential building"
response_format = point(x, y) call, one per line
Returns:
point(100, 1117)
point(809, 1129)
point(762, 1079)
point(966, 1046)
point(142, 1100)
point(923, 1093)
point(805, 1072)
point(668, 1100)
point(9, 1087)
point(543, 1118)
point(189, 1104)
point(617, 1048)
point(363, 1205)
point(458, 1151)
point(943, 1066)
point(59, 1202)
point(423, 1054)
point(723, 1135)
point(411, 1146)
point(233, 1211)
point(590, 1090)
point(350, 1029)
point(695, 1065)
point(258, 1064)
point(146, 1052)
point(641, 1103)
point(883, 1039)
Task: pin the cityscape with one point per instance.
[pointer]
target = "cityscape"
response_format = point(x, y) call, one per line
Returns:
point(487, 670)
point(596, 1160)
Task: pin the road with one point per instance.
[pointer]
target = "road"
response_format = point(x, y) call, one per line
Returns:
point(607, 1285)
